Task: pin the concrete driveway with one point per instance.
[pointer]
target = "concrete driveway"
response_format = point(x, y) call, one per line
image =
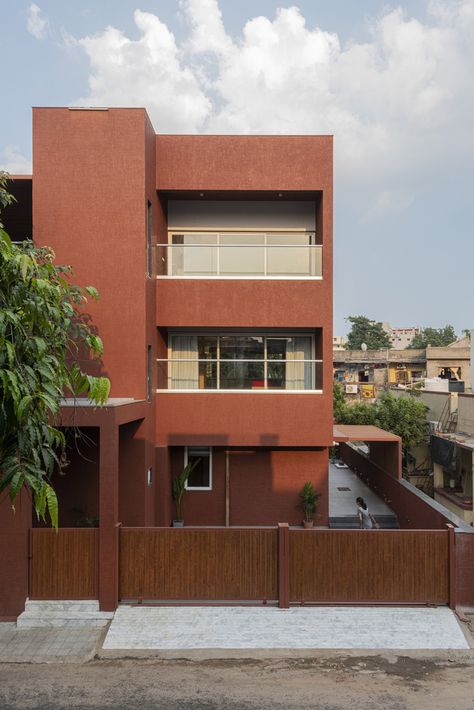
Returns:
point(186, 628)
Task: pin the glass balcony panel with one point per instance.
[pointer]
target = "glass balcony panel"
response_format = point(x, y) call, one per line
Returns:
point(235, 375)
point(242, 261)
point(290, 261)
point(193, 260)
point(241, 347)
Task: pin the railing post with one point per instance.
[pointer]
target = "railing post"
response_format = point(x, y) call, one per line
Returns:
point(283, 566)
point(452, 565)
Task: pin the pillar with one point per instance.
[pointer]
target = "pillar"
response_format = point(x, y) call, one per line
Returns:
point(108, 516)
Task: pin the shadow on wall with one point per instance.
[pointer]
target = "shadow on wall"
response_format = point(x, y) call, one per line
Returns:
point(262, 486)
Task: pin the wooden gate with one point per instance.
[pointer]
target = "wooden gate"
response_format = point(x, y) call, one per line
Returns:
point(378, 566)
point(63, 563)
point(198, 564)
point(312, 566)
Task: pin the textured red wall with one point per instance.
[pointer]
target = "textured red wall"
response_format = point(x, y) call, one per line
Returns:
point(388, 456)
point(411, 511)
point(234, 419)
point(244, 162)
point(264, 487)
point(465, 569)
point(14, 555)
point(89, 204)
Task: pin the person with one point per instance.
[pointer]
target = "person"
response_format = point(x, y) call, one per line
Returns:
point(366, 519)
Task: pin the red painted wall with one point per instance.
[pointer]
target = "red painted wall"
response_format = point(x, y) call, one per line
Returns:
point(465, 569)
point(89, 204)
point(244, 419)
point(264, 487)
point(244, 162)
point(14, 555)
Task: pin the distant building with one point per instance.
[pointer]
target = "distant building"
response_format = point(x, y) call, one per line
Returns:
point(401, 338)
point(339, 343)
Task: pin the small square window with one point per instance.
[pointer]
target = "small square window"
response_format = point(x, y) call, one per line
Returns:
point(201, 477)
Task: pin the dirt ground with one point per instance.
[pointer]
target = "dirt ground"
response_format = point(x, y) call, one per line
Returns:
point(328, 682)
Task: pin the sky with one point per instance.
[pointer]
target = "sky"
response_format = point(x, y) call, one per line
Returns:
point(394, 84)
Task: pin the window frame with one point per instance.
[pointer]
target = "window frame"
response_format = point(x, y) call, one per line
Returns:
point(186, 459)
point(266, 336)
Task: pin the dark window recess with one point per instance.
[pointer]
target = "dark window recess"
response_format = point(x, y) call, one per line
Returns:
point(149, 238)
point(149, 374)
point(201, 475)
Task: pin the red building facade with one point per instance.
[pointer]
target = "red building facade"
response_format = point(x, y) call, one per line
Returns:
point(213, 259)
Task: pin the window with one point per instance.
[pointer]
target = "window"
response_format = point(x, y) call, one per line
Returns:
point(243, 362)
point(149, 373)
point(201, 477)
point(149, 238)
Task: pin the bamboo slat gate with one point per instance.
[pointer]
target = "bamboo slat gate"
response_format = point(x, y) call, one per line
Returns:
point(63, 564)
point(251, 564)
point(199, 564)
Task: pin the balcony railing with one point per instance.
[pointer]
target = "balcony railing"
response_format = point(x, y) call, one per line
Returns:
point(230, 255)
point(191, 374)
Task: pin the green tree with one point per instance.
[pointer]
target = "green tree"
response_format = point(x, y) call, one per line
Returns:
point(403, 416)
point(364, 330)
point(437, 337)
point(41, 331)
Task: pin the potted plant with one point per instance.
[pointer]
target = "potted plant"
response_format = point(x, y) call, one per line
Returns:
point(178, 490)
point(308, 498)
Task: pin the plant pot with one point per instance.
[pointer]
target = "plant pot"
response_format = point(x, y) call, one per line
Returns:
point(307, 524)
point(178, 523)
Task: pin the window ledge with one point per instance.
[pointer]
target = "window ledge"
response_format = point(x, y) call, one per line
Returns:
point(256, 391)
point(242, 278)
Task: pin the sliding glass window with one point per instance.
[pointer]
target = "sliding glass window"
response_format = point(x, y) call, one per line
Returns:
point(243, 362)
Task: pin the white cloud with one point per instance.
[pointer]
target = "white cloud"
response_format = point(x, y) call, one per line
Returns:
point(400, 104)
point(145, 72)
point(14, 162)
point(36, 25)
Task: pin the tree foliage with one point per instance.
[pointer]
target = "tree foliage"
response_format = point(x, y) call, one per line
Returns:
point(403, 416)
point(364, 330)
point(41, 331)
point(437, 337)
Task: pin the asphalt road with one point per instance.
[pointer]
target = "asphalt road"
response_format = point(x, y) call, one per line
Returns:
point(334, 682)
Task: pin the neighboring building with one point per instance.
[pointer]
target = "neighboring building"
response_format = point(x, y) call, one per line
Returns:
point(339, 343)
point(221, 333)
point(452, 362)
point(358, 368)
point(401, 338)
point(452, 453)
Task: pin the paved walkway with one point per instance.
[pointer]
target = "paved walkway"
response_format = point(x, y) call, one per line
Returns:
point(180, 628)
point(47, 645)
point(342, 502)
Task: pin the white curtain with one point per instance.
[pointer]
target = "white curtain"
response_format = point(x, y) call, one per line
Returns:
point(298, 374)
point(184, 375)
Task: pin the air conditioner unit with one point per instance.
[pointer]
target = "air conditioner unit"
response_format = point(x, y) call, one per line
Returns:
point(351, 389)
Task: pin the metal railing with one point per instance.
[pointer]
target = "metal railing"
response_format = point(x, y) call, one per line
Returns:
point(246, 374)
point(238, 256)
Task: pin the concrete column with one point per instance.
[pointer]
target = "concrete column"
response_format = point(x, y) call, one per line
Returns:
point(108, 516)
point(438, 478)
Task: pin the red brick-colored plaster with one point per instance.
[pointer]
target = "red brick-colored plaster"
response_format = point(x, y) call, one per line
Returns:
point(89, 204)
point(464, 553)
point(229, 162)
point(264, 486)
point(14, 528)
point(234, 419)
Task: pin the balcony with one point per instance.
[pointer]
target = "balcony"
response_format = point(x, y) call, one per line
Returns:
point(240, 255)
